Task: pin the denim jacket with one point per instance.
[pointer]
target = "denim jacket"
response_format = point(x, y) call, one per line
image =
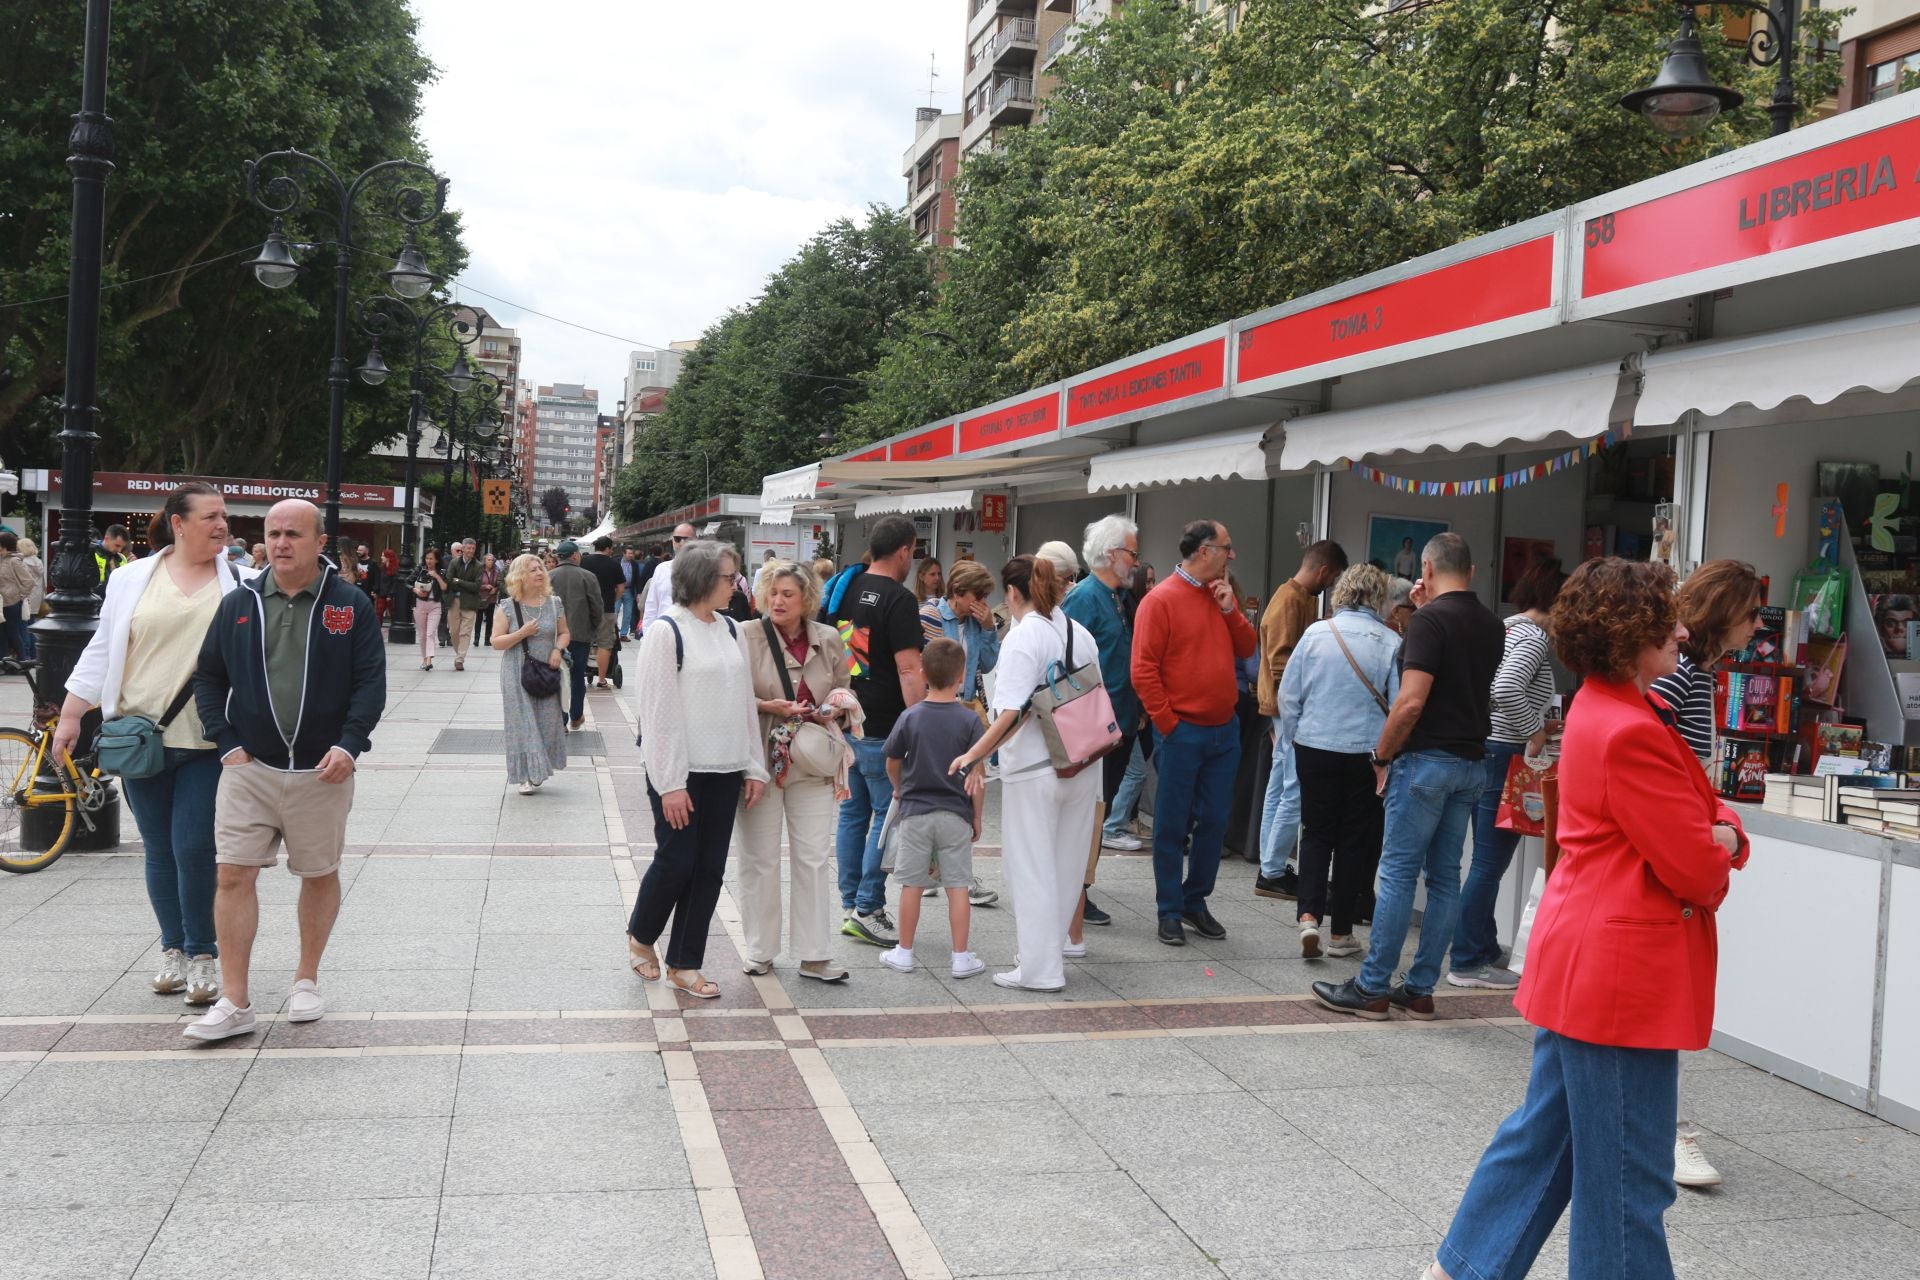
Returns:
point(1323, 704)
point(981, 643)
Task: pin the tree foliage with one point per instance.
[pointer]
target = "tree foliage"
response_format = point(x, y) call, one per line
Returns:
point(553, 501)
point(201, 368)
point(772, 377)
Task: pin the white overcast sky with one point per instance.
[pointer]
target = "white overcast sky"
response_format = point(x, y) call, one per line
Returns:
point(638, 166)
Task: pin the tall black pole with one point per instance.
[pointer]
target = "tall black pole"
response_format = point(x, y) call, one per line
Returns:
point(337, 376)
point(1782, 108)
point(443, 509)
point(402, 632)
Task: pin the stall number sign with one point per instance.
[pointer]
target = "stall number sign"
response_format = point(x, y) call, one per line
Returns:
point(993, 513)
point(1856, 184)
point(1149, 383)
point(497, 496)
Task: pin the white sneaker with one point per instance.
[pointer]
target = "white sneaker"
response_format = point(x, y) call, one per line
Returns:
point(1309, 940)
point(1074, 950)
point(203, 980)
point(981, 896)
point(1691, 1168)
point(305, 1004)
point(929, 893)
point(1123, 841)
point(1011, 978)
point(1347, 946)
point(221, 1021)
point(527, 788)
point(173, 972)
point(966, 964)
point(898, 960)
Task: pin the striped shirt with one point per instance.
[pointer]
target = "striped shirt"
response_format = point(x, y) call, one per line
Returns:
point(1689, 691)
point(1523, 686)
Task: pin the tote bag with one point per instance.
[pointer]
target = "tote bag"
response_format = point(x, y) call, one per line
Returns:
point(1075, 715)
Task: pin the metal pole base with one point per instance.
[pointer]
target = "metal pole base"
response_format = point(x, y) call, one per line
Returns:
point(39, 826)
point(399, 632)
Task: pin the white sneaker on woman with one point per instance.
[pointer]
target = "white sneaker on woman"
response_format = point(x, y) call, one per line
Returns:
point(1309, 940)
point(172, 976)
point(203, 980)
point(1691, 1168)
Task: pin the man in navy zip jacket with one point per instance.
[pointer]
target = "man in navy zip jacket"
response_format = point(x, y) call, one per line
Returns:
point(292, 679)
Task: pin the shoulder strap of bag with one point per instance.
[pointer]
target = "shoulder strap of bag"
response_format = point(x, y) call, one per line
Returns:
point(779, 652)
point(1342, 641)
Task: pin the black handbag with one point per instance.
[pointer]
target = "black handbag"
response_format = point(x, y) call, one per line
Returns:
point(536, 677)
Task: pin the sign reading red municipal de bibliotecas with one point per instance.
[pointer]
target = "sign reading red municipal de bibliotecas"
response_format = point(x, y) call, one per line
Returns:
point(1190, 371)
point(155, 488)
point(1036, 417)
point(1856, 184)
point(1509, 282)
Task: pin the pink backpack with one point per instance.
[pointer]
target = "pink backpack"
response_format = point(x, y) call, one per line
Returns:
point(1076, 716)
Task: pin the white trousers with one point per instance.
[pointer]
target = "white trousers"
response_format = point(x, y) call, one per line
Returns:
point(1046, 827)
point(809, 810)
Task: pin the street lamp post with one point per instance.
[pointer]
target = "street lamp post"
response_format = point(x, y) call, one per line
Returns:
point(1683, 98)
point(276, 267)
point(460, 429)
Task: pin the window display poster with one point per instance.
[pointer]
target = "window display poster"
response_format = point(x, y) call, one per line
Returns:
point(1394, 543)
point(1517, 556)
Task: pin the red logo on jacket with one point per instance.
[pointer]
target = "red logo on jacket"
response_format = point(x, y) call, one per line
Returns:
point(337, 619)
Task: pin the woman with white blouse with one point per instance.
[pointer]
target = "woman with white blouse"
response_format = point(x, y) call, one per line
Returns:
point(700, 741)
point(1047, 819)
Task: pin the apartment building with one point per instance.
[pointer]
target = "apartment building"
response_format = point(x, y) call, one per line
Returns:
point(1879, 47)
point(929, 166)
point(651, 373)
point(566, 443)
point(1003, 83)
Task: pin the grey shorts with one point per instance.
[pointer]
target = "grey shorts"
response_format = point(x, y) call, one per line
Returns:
point(933, 849)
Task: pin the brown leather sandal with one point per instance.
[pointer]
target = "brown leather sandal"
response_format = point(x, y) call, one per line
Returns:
point(643, 960)
point(694, 983)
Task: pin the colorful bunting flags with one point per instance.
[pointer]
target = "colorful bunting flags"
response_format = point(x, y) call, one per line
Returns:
point(1491, 484)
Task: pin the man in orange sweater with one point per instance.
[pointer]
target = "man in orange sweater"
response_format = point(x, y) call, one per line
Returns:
point(1187, 636)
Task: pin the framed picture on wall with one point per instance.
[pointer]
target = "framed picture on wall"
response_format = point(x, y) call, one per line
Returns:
point(1516, 557)
point(1394, 542)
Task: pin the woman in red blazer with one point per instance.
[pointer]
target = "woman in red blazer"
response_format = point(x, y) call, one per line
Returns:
point(1620, 969)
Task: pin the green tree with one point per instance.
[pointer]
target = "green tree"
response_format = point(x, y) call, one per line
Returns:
point(201, 368)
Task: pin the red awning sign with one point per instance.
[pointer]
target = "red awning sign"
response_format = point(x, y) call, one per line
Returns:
point(131, 484)
point(925, 447)
point(1037, 417)
point(1190, 371)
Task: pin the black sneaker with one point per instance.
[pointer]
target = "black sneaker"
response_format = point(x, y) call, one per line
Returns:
point(1171, 933)
point(1285, 886)
point(1095, 915)
point(1347, 997)
point(1420, 1007)
point(1203, 923)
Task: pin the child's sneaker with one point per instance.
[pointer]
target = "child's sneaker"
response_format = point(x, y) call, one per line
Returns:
point(898, 959)
point(965, 964)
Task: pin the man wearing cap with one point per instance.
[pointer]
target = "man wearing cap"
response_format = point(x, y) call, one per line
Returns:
point(579, 594)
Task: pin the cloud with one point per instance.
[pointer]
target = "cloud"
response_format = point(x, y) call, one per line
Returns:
point(639, 167)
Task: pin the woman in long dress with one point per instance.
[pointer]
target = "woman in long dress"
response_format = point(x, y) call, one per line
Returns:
point(530, 616)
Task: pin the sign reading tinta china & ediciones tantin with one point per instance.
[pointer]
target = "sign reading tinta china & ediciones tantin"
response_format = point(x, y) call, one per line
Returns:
point(151, 490)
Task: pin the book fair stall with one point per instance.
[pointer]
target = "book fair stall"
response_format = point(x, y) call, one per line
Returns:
point(1723, 361)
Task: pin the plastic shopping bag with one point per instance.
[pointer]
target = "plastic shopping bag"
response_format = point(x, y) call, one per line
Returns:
point(1523, 807)
point(1520, 936)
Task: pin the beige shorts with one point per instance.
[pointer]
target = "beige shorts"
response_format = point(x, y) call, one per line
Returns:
point(257, 809)
point(607, 634)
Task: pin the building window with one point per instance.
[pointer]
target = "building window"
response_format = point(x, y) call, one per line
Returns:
point(645, 364)
point(1888, 78)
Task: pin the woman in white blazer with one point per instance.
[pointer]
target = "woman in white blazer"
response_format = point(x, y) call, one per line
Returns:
point(140, 661)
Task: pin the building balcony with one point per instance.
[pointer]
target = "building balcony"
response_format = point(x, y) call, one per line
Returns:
point(923, 197)
point(1015, 45)
point(1012, 101)
point(1058, 43)
point(1058, 6)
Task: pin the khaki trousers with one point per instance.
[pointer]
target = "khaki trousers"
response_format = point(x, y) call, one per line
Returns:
point(459, 627)
point(809, 811)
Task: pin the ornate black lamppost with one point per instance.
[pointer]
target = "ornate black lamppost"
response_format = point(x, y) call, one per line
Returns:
point(406, 198)
point(1683, 99)
point(478, 423)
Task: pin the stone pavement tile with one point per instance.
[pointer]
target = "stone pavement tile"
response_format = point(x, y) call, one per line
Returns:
point(515, 917)
point(485, 1031)
point(500, 1155)
point(1292, 976)
point(31, 1037)
point(1112, 1068)
point(70, 991)
point(1879, 1168)
point(1756, 1189)
point(917, 1026)
point(1236, 1013)
point(1328, 1206)
point(875, 988)
point(12, 1073)
point(1195, 976)
point(364, 951)
point(96, 1165)
point(1016, 1022)
point(611, 986)
point(393, 990)
point(434, 894)
point(1082, 984)
point(1389, 1121)
point(800, 1235)
point(362, 1239)
point(423, 918)
point(720, 1030)
point(658, 1234)
point(1212, 1130)
point(1127, 942)
point(306, 1160)
point(123, 1037)
point(1752, 1102)
point(1314, 1059)
point(1842, 1247)
point(98, 891)
point(1400, 1262)
point(954, 1133)
point(1066, 1222)
point(362, 1033)
point(51, 920)
point(380, 1088)
point(756, 1081)
point(883, 1077)
point(77, 1242)
point(1476, 1056)
point(387, 869)
point(601, 949)
point(599, 867)
point(597, 892)
point(782, 1148)
point(508, 1084)
point(722, 968)
point(134, 993)
point(111, 1092)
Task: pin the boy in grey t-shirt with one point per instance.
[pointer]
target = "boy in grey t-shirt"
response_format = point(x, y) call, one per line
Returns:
point(936, 815)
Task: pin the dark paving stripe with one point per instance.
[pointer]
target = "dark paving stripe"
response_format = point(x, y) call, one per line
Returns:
point(783, 1148)
point(1017, 1022)
point(1252, 1013)
point(718, 1030)
point(802, 1234)
point(559, 1031)
point(123, 1037)
point(895, 1025)
point(35, 1037)
point(753, 1082)
point(364, 1033)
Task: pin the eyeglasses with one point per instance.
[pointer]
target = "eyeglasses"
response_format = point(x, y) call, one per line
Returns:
point(1129, 550)
point(1220, 546)
point(680, 537)
point(1753, 614)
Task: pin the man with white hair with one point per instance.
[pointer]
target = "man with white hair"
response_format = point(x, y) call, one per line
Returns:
point(660, 585)
point(1112, 549)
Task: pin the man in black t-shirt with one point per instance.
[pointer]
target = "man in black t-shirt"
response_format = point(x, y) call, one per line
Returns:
point(879, 620)
point(613, 585)
point(1430, 763)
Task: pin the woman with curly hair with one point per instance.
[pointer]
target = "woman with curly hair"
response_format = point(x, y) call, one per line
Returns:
point(1620, 970)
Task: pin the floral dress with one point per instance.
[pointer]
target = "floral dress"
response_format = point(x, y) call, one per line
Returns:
point(536, 727)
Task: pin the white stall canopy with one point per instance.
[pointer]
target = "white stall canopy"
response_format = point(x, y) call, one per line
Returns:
point(1819, 363)
point(914, 504)
point(1229, 455)
point(779, 513)
point(1575, 404)
point(875, 488)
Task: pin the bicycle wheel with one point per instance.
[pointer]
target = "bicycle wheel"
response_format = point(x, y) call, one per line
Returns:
point(31, 813)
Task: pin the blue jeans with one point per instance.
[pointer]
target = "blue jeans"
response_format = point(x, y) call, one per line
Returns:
point(1196, 764)
point(623, 613)
point(1280, 819)
point(19, 639)
point(863, 885)
point(1596, 1131)
point(174, 811)
point(580, 655)
point(1476, 938)
point(1430, 798)
point(1127, 798)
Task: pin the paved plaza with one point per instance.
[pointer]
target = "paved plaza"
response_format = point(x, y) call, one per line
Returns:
point(492, 1093)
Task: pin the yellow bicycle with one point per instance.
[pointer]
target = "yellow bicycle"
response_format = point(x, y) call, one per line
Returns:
point(40, 796)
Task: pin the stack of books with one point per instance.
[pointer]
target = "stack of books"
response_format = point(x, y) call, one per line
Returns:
point(1890, 811)
point(1816, 799)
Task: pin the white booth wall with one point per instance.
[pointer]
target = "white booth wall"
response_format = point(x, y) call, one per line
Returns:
point(1062, 516)
point(1241, 505)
